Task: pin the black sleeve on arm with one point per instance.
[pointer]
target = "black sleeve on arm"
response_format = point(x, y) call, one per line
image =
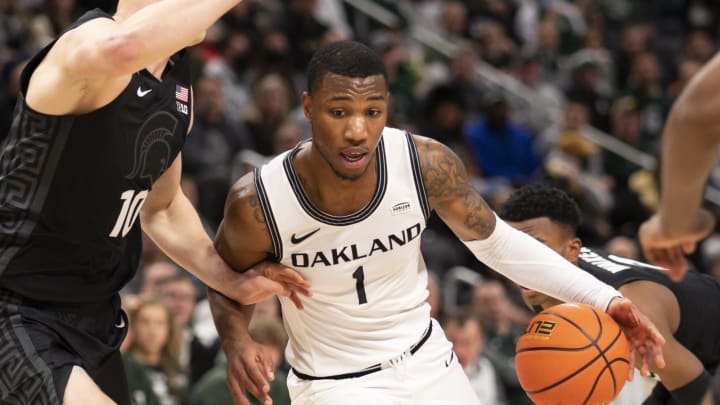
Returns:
point(694, 391)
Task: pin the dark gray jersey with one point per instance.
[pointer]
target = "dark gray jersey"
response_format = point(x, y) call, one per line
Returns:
point(71, 187)
point(697, 294)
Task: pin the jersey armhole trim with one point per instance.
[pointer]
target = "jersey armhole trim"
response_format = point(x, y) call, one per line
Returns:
point(269, 217)
point(417, 175)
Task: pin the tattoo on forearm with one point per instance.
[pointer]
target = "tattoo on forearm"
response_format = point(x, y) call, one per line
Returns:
point(446, 183)
point(477, 211)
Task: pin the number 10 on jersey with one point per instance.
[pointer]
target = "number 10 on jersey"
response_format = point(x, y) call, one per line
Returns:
point(132, 202)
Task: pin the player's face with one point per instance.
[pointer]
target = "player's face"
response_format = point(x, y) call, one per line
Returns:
point(347, 117)
point(557, 238)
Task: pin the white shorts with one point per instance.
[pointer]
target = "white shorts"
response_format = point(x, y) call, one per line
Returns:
point(431, 376)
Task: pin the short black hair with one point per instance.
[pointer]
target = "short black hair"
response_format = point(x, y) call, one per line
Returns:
point(344, 58)
point(541, 200)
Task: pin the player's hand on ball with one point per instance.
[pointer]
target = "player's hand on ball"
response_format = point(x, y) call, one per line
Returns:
point(265, 280)
point(248, 369)
point(645, 340)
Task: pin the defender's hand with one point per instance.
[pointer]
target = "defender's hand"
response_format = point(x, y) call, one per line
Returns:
point(645, 340)
point(667, 248)
point(287, 277)
point(264, 281)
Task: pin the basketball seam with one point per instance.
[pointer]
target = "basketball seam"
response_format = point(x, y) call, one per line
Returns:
point(607, 367)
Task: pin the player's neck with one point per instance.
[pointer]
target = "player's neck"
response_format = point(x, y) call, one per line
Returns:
point(328, 191)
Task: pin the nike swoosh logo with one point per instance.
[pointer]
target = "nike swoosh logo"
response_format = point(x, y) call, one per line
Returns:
point(120, 324)
point(447, 362)
point(142, 93)
point(298, 239)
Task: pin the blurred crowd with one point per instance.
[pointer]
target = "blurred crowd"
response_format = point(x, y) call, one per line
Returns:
point(567, 69)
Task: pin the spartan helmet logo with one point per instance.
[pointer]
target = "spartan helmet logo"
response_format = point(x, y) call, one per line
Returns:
point(152, 147)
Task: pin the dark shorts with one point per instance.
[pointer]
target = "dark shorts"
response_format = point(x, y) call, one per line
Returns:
point(40, 343)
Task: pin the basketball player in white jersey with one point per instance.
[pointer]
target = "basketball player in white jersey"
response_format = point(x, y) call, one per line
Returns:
point(346, 210)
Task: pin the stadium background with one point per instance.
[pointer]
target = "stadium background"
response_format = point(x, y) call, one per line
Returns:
point(574, 93)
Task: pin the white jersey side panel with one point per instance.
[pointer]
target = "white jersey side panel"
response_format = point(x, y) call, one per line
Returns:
point(368, 277)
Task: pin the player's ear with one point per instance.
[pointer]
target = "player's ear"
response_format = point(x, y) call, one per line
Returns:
point(307, 105)
point(572, 249)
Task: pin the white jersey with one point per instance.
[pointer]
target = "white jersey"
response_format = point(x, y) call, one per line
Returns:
point(368, 276)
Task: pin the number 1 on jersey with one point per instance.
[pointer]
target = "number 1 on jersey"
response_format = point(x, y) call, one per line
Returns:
point(359, 277)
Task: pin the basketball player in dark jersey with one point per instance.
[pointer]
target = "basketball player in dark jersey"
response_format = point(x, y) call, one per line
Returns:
point(95, 143)
point(684, 312)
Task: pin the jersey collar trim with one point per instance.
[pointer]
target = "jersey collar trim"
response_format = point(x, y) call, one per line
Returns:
point(339, 220)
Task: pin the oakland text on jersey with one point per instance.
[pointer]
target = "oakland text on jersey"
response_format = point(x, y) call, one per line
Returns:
point(352, 252)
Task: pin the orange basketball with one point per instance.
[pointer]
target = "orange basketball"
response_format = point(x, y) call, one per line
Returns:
point(572, 354)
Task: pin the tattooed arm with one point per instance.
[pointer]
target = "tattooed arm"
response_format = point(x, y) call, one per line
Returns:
point(450, 194)
point(243, 240)
point(519, 257)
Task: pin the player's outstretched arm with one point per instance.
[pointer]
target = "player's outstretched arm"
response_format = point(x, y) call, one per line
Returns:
point(690, 142)
point(91, 64)
point(111, 48)
point(516, 255)
point(171, 221)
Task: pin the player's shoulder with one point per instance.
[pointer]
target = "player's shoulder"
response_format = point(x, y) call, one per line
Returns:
point(242, 205)
point(438, 161)
point(422, 141)
point(243, 237)
point(243, 208)
point(85, 29)
point(242, 192)
point(431, 151)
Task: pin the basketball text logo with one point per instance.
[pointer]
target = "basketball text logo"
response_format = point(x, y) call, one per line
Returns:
point(540, 329)
point(346, 254)
point(401, 208)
